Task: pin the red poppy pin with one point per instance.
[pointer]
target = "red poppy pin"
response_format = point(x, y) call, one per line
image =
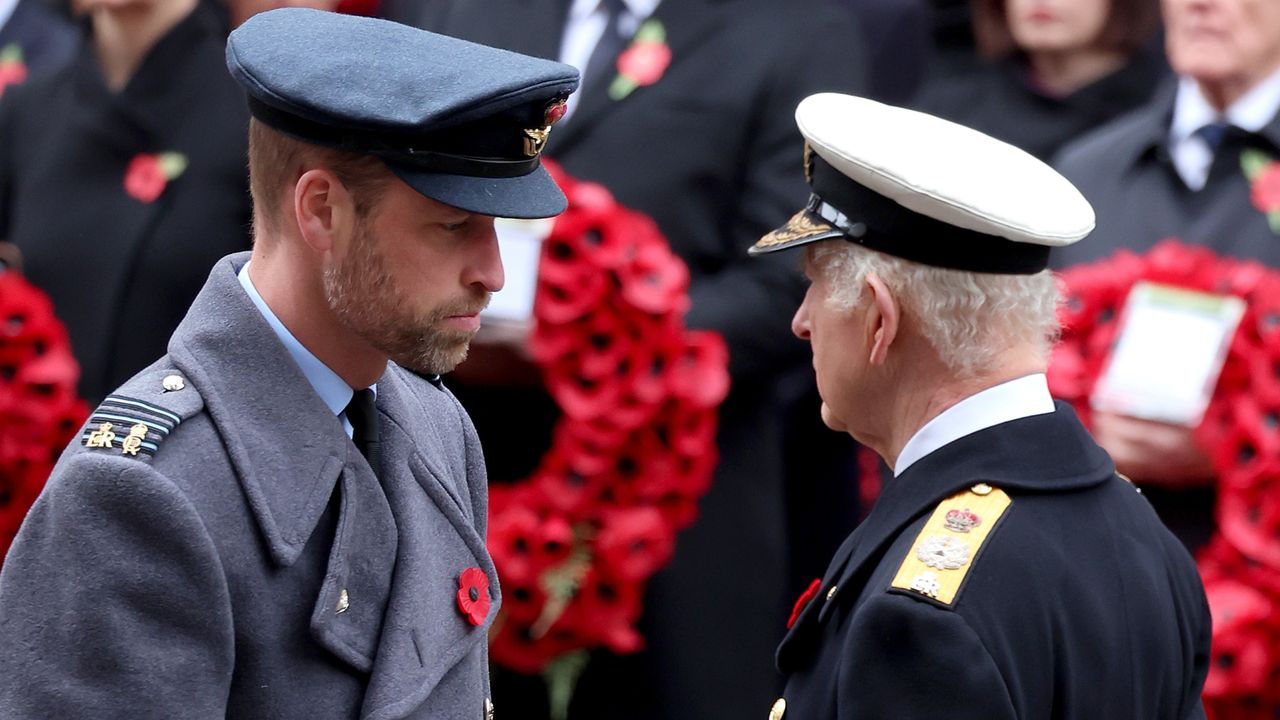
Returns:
point(643, 62)
point(809, 593)
point(473, 595)
point(1264, 184)
point(13, 71)
point(147, 175)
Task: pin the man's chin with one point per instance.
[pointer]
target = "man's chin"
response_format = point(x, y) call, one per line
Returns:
point(830, 420)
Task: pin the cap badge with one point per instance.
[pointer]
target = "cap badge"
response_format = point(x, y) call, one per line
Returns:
point(943, 552)
point(961, 521)
point(808, 163)
point(536, 138)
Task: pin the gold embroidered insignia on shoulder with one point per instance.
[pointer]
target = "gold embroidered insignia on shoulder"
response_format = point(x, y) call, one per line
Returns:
point(943, 552)
point(129, 426)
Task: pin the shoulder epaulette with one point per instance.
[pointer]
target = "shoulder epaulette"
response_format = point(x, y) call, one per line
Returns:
point(137, 418)
point(944, 551)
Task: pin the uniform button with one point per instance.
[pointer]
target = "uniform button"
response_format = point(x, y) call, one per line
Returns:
point(981, 489)
point(173, 383)
point(779, 709)
point(831, 593)
point(488, 709)
point(344, 601)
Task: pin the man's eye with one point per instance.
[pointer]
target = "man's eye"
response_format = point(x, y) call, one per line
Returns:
point(455, 227)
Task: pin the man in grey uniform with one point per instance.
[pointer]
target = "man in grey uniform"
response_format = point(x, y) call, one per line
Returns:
point(284, 517)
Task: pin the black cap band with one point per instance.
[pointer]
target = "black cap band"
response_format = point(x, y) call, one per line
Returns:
point(414, 153)
point(874, 221)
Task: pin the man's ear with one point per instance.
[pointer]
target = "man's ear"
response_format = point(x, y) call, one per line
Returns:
point(324, 209)
point(885, 315)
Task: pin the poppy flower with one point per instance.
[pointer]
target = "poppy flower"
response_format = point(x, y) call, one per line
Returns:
point(633, 543)
point(13, 71)
point(473, 595)
point(700, 372)
point(655, 280)
point(801, 602)
point(1250, 520)
point(1264, 189)
point(148, 175)
point(644, 62)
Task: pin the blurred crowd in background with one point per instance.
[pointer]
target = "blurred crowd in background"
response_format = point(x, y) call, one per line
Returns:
point(123, 179)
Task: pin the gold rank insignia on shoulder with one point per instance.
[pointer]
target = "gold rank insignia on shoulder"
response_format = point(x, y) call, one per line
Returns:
point(944, 551)
point(148, 425)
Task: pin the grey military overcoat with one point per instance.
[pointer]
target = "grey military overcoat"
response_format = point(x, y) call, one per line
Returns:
point(246, 562)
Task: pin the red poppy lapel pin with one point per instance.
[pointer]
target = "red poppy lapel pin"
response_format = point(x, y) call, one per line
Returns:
point(803, 601)
point(473, 595)
point(13, 71)
point(149, 174)
point(1263, 173)
point(643, 62)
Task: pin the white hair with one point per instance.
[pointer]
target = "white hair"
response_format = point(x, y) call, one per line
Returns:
point(970, 318)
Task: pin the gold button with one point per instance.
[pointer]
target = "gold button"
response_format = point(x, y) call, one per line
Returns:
point(831, 593)
point(488, 709)
point(981, 489)
point(173, 383)
point(779, 709)
point(344, 601)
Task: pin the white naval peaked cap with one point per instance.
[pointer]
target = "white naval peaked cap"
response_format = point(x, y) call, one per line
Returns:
point(926, 189)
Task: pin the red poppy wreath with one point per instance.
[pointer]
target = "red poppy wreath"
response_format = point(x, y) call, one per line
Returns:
point(39, 410)
point(634, 448)
point(1241, 433)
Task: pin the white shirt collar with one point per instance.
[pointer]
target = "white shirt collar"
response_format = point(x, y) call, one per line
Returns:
point(1192, 156)
point(1252, 112)
point(1012, 400)
point(332, 389)
point(6, 10)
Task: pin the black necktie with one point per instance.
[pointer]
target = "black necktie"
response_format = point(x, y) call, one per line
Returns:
point(604, 56)
point(363, 416)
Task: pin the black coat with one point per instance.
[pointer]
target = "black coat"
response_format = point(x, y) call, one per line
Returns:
point(998, 99)
point(122, 272)
point(1125, 171)
point(712, 153)
point(1078, 604)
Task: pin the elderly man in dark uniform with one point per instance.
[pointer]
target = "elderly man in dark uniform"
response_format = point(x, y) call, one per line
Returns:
point(284, 516)
point(1177, 168)
point(1006, 571)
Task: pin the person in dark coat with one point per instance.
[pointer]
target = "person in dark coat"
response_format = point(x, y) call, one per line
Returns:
point(1051, 71)
point(1006, 571)
point(284, 517)
point(1173, 169)
point(34, 41)
point(122, 180)
point(709, 151)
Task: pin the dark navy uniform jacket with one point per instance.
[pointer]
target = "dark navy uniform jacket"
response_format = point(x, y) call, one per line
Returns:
point(1077, 604)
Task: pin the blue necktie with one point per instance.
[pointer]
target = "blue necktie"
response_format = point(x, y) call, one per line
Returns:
point(1212, 134)
point(604, 56)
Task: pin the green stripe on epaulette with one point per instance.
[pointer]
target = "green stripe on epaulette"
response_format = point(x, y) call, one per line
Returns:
point(944, 551)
